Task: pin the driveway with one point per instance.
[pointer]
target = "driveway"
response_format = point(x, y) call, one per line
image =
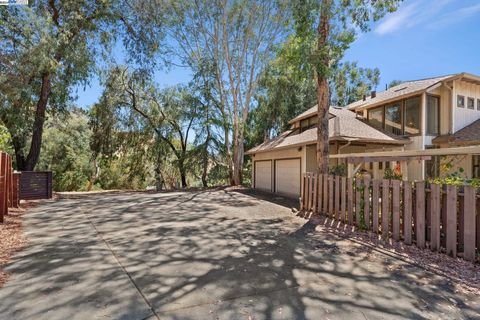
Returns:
point(208, 255)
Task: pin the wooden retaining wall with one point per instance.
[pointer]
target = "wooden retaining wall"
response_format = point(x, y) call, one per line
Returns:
point(35, 185)
point(445, 218)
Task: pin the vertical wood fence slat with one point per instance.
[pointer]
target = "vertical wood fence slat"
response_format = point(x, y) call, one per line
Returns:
point(375, 204)
point(385, 208)
point(350, 200)
point(3, 183)
point(461, 220)
point(330, 196)
point(396, 210)
point(344, 200)
point(320, 193)
point(315, 192)
point(358, 199)
point(420, 214)
point(451, 213)
point(435, 217)
point(469, 213)
point(407, 212)
point(337, 197)
point(443, 217)
point(325, 193)
point(366, 201)
point(16, 190)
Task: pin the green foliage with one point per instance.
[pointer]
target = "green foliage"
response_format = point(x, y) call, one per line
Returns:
point(392, 174)
point(456, 178)
point(338, 170)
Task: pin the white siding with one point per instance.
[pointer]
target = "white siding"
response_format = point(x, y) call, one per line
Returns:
point(465, 116)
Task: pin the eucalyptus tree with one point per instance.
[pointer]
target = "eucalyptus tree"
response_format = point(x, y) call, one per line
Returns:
point(51, 46)
point(326, 28)
point(238, 37)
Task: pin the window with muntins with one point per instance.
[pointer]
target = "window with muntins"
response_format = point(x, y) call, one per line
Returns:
point(460, 101)
point(433, 115)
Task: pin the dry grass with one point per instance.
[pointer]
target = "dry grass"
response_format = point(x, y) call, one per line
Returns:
point(12, 238)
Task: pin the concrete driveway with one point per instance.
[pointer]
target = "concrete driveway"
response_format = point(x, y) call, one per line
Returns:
point(208, 255)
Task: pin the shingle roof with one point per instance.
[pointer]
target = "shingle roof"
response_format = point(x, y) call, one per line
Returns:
point(405, 88)
point(343, 125)
point(468, 135)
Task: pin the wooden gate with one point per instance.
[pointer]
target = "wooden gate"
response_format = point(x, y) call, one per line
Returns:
point(35, 185)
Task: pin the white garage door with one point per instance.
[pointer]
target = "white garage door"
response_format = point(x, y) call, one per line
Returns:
point(287, 177)
point(263, 175)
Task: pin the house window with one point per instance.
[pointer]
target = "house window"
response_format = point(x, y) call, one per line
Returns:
point(433, 115)
point(471, 103)
point(478, 104)
point(393, 118)
point(476, 166)
point(460, 101)
point(412, 116)
point(375, 117)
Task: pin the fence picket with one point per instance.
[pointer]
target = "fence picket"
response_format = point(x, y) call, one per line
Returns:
point(358, 199)
point(435, 217)
point(375, 204)
point(325, 193)
point(315, 192)
point(385, 208)
point(396, 210)
point(337, 197)
point(451, 213)
point(350, 198)
point(469, 213)
point(407, 212)
point(330, 196)
point(366, 202)
point(420, 214)
point(343, 215)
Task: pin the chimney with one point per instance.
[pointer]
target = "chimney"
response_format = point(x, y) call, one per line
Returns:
point(373, 94)
point(364, 97)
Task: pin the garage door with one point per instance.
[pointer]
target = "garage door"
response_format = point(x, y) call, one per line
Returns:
point(263, 175)
point(287, 177)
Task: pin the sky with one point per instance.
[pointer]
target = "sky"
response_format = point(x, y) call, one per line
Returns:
point(423, 38)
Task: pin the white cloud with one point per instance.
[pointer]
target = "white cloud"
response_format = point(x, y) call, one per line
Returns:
point(456, 16)
point(396, 20)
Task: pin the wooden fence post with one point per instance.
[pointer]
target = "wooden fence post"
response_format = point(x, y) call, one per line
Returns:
point(325, 193)
point(358, 200)
point(337, 197)
point(396, 210)
point(375, 204)
point(331, 209)
point(344, 200)
point(350, 200)
point(366, 202)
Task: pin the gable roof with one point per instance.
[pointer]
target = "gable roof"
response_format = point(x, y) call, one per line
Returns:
point(468, 135)
point(343, 126)
point(410, 88)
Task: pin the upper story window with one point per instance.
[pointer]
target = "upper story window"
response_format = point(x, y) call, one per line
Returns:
point(460, 101)
point(476, 166)
point(433, 115)
point(399, 118)
point(393, 118)
point(478, 104)
point(412, 116)
point(308, 123)
point(471, 103)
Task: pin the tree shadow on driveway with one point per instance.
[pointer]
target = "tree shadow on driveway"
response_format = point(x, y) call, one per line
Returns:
point(208, 255)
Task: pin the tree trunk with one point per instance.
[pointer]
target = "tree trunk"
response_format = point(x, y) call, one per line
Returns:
point(238, 161)
point(40, 114)
point(183, 173)
point(323, 96)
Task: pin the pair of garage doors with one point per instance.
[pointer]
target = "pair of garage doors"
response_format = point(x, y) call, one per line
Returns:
point(280, 176)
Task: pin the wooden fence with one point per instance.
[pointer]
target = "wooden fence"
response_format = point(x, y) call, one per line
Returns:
point(442, 217)
point(35, 185)
point(9, 186)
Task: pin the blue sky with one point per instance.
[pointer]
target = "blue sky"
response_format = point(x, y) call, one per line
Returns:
point(424, 38)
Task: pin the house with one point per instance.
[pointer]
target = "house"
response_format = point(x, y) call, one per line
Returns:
point(438, 112)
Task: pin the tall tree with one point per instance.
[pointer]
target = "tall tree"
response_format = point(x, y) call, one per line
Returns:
point(326, 29)
point(239, 38)
point(52, 45)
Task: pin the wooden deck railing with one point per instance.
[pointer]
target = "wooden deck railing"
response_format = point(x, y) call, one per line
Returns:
point(445, 218)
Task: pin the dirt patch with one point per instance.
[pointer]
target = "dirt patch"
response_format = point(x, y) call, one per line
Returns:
point(12, 238)
point(465, 274)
